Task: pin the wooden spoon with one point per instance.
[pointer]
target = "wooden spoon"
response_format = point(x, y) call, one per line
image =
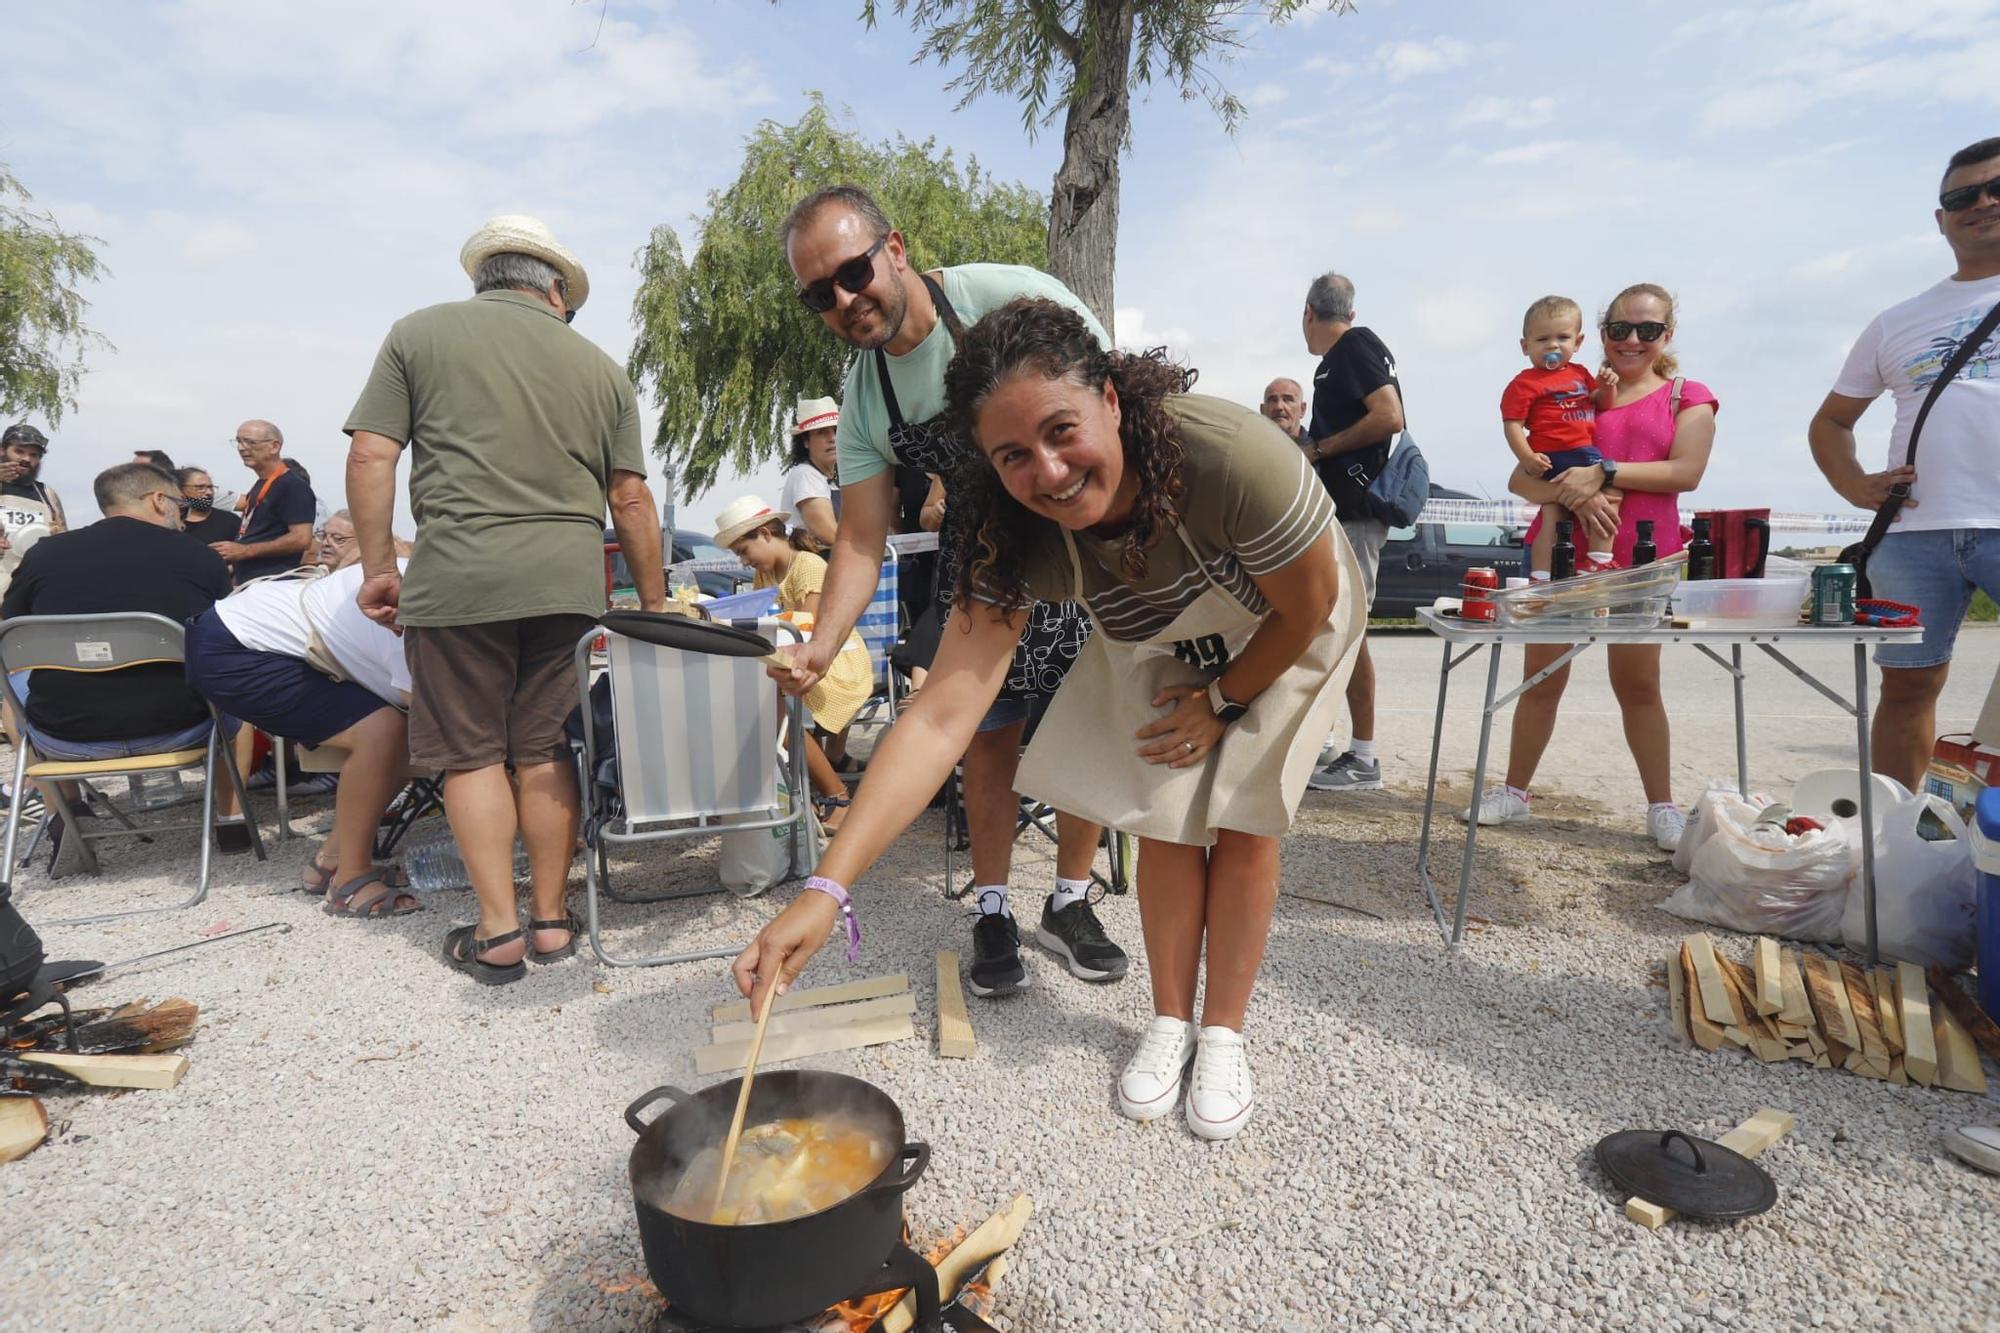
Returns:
point(743, 1098)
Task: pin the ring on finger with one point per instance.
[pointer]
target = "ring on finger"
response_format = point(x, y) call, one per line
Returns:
point(1188, 746)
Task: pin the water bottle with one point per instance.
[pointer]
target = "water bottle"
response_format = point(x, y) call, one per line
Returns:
point(435, 865)
point(1562, 555)
point(154, 791)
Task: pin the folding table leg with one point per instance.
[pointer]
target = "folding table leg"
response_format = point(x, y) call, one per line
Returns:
point(1478, 793)
point(1742, 738)
point(1865, 753)
point(1430, 790)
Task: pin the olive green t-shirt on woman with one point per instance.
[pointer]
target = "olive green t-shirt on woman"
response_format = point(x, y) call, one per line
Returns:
point(515, 423)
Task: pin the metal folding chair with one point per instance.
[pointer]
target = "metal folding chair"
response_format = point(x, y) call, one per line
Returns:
point(696, 737)
point(101, 644)
point(423, 792)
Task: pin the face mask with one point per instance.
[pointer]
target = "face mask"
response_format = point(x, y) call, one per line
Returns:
point(199, 504)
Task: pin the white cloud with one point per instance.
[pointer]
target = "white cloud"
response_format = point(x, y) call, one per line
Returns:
point(1409, 60)
point(1266, 94)
point(1512, 113)
point(1523, 154)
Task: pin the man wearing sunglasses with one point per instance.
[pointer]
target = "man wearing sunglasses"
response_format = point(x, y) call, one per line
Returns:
point(854, 273)
point(1945, 541)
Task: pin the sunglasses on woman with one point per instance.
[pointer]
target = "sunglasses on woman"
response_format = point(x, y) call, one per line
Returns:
point(1965, 196)
point(1618, 330)
point(854, 276)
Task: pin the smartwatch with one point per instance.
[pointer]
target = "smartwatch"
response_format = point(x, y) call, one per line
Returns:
point(1610, 471)
point(1224, 708)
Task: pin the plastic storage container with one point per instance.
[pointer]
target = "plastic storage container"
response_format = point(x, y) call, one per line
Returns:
point(752, 605)
point(1766, 603)
point(1986, 860)
point(1615, 599)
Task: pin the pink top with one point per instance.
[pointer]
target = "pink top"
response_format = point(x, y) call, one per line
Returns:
point(1643, 432)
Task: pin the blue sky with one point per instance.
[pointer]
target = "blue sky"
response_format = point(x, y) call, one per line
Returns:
point(275, 184)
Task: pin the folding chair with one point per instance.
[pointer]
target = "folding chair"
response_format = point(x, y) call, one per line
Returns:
point(695, 721)
point(423, 792)
point(881, 628)
point(94, 644)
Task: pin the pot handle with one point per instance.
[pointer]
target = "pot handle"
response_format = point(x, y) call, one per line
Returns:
point(646, 1099)
point(921, 1153)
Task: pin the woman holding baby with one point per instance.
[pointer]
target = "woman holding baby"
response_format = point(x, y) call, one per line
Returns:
point(1655, 429)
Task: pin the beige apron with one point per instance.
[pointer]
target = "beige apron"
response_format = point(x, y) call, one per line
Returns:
point(1084, 759)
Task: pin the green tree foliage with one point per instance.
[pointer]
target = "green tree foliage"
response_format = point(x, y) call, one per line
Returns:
point(42, 334)
point(725, 348)
point(1081, 59)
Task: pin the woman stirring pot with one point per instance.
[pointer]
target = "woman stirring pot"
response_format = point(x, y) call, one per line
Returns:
point(1206, 552)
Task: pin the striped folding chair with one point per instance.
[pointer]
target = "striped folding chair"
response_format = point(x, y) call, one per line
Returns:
point(881, 624)
point(696, 734)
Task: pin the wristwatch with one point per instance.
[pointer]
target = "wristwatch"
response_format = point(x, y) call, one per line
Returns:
point(1610, 471)
point(1224, 708)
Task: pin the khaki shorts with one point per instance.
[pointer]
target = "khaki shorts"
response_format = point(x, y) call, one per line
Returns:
point(481, 694)
point(1367, 536)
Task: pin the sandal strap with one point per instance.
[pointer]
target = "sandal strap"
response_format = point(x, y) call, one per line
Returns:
point(468, 936)
point(569, 922)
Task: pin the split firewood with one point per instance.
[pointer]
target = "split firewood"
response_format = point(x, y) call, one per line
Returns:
point(113, 1071)
point(1718, 1001)
point(996, 1235)
point(23, 1126)
point(1913, 1001)
point(1861, 1000)
point(1967, 1011)
point(1764, 1042)
point(1830, 1006)
point(1769, 970)
point(1958, 1059)
point(1885, 1010)
point(1797, 1008)
point(1677, 1003)
point(1707, 1035)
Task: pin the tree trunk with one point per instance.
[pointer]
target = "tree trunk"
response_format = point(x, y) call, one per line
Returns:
point(1083, 205)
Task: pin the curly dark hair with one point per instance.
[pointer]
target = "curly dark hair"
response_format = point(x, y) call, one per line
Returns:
point(1049, 339)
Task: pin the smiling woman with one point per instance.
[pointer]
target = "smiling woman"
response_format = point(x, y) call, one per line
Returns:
point(1206, 553)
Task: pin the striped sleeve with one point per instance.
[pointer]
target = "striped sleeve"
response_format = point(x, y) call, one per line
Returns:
point(1278, 509)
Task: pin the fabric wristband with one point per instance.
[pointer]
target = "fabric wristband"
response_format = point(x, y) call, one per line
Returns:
point(821, 884)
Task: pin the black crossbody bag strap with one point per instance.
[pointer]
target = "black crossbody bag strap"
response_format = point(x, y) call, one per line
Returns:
point(1900, 492)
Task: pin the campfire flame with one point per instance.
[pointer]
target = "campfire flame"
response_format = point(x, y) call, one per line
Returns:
point(859, 1316)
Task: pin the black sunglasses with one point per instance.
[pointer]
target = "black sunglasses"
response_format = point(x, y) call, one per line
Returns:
point(1965, 196)
point(854, 275)
point(1618, 330)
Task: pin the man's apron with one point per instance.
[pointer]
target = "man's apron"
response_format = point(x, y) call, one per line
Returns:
point(1084, 758)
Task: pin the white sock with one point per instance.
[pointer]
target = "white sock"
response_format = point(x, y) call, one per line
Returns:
point(1067, 891)
point(1661, 805)
point(1521, 792)
point(1361, 749)
point(992, 899)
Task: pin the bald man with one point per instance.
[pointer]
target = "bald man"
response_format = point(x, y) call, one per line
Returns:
point(278, 518)
point(1285, 403)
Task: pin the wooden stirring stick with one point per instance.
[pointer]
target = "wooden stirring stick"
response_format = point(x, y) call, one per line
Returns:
point(743, 1097)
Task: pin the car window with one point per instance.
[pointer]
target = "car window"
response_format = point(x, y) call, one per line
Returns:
point(1402, 534)
point(1475, 534)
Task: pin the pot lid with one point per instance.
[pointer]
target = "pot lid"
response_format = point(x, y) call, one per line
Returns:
point(687, 634)
point(1692, 1176)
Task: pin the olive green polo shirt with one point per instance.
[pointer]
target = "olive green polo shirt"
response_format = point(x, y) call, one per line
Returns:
point(515, 423)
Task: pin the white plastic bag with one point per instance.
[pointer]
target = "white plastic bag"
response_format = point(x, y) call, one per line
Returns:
point(751, 861)
point(1761, 881)
point(1926, 889)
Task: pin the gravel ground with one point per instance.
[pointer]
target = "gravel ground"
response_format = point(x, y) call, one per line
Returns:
point(367, 1139)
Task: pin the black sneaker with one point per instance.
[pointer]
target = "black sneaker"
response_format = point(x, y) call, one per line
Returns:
point(996, 957)
point(1075, 933)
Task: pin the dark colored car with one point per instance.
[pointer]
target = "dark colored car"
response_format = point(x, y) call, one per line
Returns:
point(1423, 563)
point(688, 545)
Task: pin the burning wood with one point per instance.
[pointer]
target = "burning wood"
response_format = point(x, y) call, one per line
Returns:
point(130, 1029)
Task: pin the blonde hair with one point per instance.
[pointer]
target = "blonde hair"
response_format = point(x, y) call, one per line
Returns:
point(1549, 307)
point(1668, 365)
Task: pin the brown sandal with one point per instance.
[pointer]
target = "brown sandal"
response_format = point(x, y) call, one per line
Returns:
point(340, 901)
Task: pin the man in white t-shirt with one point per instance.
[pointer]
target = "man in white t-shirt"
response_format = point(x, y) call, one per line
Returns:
point(1946, 541)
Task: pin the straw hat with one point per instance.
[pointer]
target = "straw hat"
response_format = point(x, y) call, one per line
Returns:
point(815, 414)
point(519, 234)
point(741, 517)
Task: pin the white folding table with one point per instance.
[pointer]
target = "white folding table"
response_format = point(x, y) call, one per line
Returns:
point(1463, 639)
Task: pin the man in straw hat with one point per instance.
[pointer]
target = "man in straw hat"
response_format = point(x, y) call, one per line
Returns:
point(520, 432)
point(854, 272)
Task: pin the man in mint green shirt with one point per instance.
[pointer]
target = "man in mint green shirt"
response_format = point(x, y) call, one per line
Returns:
point(854, 272)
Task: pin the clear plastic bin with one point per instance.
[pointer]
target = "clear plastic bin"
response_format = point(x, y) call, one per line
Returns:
point(1636, 597)
point(1766, 603)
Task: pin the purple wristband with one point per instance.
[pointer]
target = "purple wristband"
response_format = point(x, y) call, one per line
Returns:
point(821, 884)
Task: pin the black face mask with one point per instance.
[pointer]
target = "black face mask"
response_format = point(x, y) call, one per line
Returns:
point(199, 504)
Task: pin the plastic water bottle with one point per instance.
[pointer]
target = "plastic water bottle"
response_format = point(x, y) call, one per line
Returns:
point(154, 791)
point(436, 865)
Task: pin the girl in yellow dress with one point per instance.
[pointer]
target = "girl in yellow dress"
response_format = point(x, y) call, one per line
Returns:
point(756, 534)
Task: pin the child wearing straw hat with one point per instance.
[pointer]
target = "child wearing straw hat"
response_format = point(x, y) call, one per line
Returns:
point(756, 534)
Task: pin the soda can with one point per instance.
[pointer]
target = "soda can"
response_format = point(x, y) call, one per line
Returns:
point(1477, 593)
point(1833, 595)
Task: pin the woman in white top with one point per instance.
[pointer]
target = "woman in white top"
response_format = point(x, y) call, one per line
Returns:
point(812, 491)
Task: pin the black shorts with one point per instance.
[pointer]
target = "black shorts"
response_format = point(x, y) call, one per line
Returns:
point(282, 695)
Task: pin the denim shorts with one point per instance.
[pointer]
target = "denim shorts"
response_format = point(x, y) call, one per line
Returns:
point(1010, 711)
point(1935, 571)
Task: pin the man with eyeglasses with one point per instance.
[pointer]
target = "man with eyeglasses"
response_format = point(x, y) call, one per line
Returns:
point(277, 529)
point(519, 431)
point(1945, 541)
point(29, 510)
point(1357, 409)
point(854, 273)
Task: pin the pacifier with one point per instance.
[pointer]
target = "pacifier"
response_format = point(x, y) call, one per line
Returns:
point(1550, 360)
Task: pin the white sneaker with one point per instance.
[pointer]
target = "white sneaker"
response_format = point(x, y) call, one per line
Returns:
point(1221, 1096)
point(1497, 806)
point(1664, 825)
point(1151, 1083)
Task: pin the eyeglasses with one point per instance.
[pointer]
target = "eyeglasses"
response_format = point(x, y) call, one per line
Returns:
point(1965, 196)
point(1618, 330)
point(854, 275)
point(336, 539)
point(569, 315)
point(244, 442)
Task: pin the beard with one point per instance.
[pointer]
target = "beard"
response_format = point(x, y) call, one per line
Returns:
point(889, 307)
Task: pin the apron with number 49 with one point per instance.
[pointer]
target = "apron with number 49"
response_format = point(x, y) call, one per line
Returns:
point(1085, 755)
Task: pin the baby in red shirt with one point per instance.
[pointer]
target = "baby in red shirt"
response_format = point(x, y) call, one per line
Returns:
point(1550, 412)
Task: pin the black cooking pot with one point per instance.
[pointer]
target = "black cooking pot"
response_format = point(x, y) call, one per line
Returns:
point(770, 1272)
